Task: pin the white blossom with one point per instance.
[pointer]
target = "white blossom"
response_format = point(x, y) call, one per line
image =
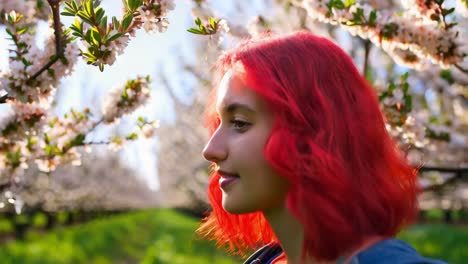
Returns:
point(153, 23)
point(115, 105)
point(148, 130)
point(462, 8)
point(422, 37)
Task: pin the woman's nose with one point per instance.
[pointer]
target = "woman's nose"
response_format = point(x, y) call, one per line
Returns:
point(215, 150)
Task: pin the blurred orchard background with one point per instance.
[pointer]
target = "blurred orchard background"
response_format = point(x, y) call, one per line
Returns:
point(101, 107)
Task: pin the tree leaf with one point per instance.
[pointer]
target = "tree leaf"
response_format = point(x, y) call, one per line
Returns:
point(85, 17)
point(447, 11)
point(99, 14)
point(372, 18)
point(127, 21)
point(212, 23)
point(89, 8)
point(96, 36)
point(115, 22)
point(349, 3)
point(114, 37)
point(67, 14)
point(195, 31)
point(103, 24)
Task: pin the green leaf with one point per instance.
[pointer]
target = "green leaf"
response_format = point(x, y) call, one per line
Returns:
point(405, 87)
point(51, 71)
point(103, 24)
point(85, 17)
point(70, 10)
point(447, 75)
point(338, 4)
point(372, 18)
point(69, 6)
point(78, 140)
point(21, 31)
point(26, 62)
point(156, 8)
point(99, 14)
point(115, 22)
point(448, 11)
point(66, 32)
point(202, 28)
point(131, 5)
point(89, 8)
point(404, 77)
point(77, 34)
point(349, 3)
point(9, 32)
point(134, 4)
point(77, 26)
point(389, 30)
point(195, 31)
point(114, 37)
point(127, 21)
point(408, 103)
point(383, 96)
point(96, 36)
point(67, 14)
point(88, 37)
point(132, 136)
point(46, 138)
point(74, 6)
point(101, 67)
point(212, 23)
point(198, 21)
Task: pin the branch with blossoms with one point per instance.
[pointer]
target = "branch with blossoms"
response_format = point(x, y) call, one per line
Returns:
point(31, 133)
point(397, 106)
point(105, 41)
point(386, 28)
point(28, 137)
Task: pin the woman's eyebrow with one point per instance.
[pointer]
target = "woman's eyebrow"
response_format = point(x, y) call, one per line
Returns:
point(231, 108)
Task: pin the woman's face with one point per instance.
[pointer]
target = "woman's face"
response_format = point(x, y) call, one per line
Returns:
point(248, 182)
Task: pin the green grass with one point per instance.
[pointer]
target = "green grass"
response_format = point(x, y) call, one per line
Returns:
point(165, 236)
point(155, 236)
point(448, 243)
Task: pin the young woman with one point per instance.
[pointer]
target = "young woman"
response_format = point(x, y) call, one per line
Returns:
point(302, 160)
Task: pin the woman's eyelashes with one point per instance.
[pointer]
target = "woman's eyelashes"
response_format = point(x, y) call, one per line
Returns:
point(240, 125)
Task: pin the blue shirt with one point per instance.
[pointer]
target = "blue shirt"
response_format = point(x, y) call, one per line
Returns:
point(392, 251)
point(388, 251)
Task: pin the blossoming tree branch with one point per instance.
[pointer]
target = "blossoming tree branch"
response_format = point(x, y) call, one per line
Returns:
point(31, 133)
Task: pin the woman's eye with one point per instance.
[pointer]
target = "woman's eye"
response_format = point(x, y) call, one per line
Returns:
point(240, 124)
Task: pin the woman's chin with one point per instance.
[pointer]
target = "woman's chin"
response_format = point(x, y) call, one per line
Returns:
point(233, 207)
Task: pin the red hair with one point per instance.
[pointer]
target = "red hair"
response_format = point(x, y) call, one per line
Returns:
point(349, 181)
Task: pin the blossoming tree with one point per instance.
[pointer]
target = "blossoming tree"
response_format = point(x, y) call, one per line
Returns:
point(30, 133)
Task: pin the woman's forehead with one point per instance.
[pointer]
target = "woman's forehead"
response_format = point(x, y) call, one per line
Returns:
point(233, 90)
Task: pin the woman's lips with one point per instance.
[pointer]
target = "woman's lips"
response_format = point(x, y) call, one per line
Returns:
point(227, 178)
point(224, 182)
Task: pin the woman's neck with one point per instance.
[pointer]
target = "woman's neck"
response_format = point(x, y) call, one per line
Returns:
point(290, 234)
point(288, 230)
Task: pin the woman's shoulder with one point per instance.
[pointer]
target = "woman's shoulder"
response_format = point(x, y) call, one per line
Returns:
point(394, 251)
point(265, 254)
